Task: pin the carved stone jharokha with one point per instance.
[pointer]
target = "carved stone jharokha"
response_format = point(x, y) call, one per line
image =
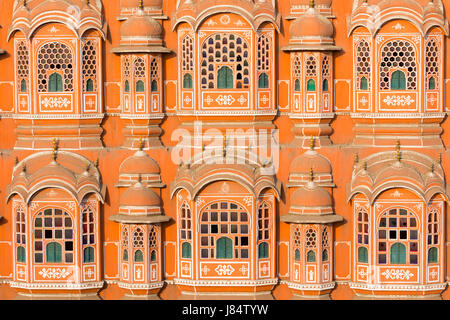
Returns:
point(197, 149)
point(141, 49)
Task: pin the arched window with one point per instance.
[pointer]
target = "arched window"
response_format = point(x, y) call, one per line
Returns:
point(363, 255)
point(263, 250)
point(23, 86)
point(311, 85)
point(138, 256)
point(310, 256)
point(398, 238)
point(154, 86)
point(224, 220)
point(431, 83)
point(224, 248)
point(125, 255)
point(140, 86)
point(187, 54)
point(433, 255)
point(325, 255)
point(186, 250)
point(21, 255)
point(297, 255)
point(55, 227)
point(363, 235)
point(364, 84)
point(153, 256)
point(187, 81)
point(59, 65)
point(89, 64)
point(395, 55)
point(297, 85)
point(55, 83)
point(88, 255)
point(225, 78)
point(127, 86)
point(363, 65)
point(53, 253)
point(20, 230)
point(89, 85)
point(125, 243)
point(263, 82)
point(325, 85)
point(398, 80)
point(229, 53)
point(398, 253)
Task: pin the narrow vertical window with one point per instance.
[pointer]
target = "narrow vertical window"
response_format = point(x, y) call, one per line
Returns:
point(88, 255)
point(225, 78)
point(263, 82)
point(55, 83)
point(53, 252)
point(311, 85)
point(23, 86)
point(398, 80)
point(224, 248)
point(140, 87)
point(187, 81)
point(186, 250)
point(138, 256)
point(364, 84)
point(263, 250)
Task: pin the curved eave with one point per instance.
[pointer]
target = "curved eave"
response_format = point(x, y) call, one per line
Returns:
point(78, 27)
point(128, 219)
point(309, 47)
point(423, 25)
point(311, 219)
point(254, 21)
point(140, 49)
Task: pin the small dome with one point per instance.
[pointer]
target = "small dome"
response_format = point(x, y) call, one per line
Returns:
point(310, 160)
point(311, 24)
point(139, 163)
point(142, 28)
point(140, 196)
point(311, 196)
point(398, 169)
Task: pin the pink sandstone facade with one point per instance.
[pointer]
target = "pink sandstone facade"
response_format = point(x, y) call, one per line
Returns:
point(230, 149)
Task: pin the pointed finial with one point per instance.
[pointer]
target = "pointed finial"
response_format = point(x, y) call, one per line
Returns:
point(55, 149)
point(311, 175)
point(141, 144)
point(24, 3)
point(365, 165)
point(397, 149)
point(311, 4)
point(88, 166)
point(311, 143)
point(88, 2)
point(141, 4)
point(16, 161)
point(97, 163)
point(440, 158)
point(432, 167)
point(140, 178)
point(224, 147)
point(356, 158)
point(24, 168)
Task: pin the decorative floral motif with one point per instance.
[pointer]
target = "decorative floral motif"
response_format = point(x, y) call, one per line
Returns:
point(397, 274)
point(54, 273)
point(225, 100)
point(224, 270)
point(398, 100)
point(56, 102)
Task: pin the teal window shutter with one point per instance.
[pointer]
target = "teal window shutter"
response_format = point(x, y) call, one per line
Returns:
point(55, 83)
point(297, 85)
point(311, 256)
point(138, 256)
point(225, 78)
point(21, 256)
point(187, 81)
point(54, 252)
point(432, 255)
point(154, 87)
point(325, 85)
point(224, 248)
point(297, 255)
point(140, 87)
point(88, 255)
point(89, 85)
point(398, 80)
point(363, 255)
point(311, 85)
point(432, 83)
point(125, 255)
point(23, 85)
point(127, 86)
point(364, 84)
point(325, 255)
point(153, 256)
point(398, 253)
point(263, 82)
point(263, 250)
point(186, 250)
